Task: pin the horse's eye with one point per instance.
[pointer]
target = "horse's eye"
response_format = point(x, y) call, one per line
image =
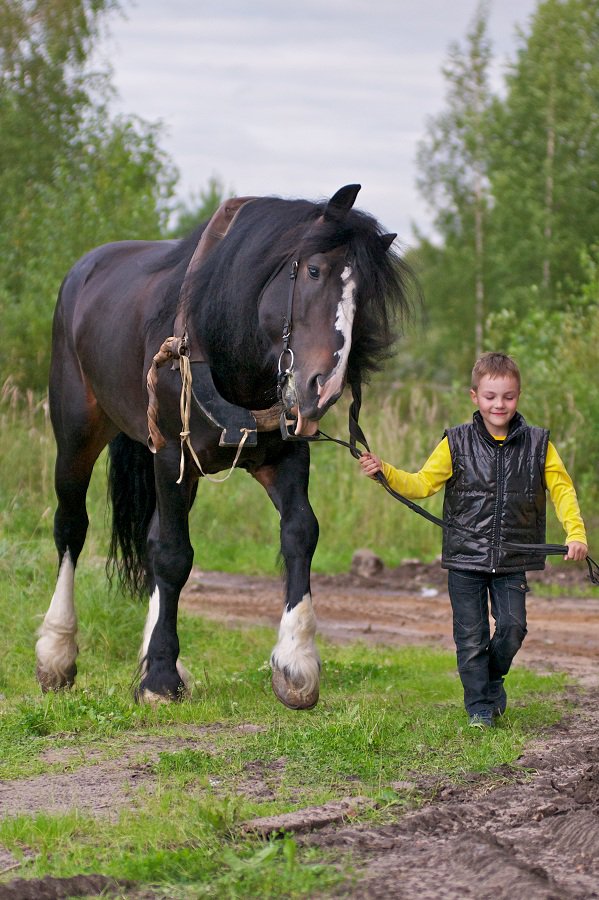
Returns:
point(313, 271)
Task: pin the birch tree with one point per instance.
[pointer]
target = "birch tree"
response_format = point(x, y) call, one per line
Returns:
point(545, 151)
point(453, 165)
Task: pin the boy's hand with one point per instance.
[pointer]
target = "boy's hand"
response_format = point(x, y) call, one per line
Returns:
point(370, 464)
point(576, 550)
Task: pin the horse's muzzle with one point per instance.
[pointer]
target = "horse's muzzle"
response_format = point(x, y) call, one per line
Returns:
point(294, 425)
point(329, 390)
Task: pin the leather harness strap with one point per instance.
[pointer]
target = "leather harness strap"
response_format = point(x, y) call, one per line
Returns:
point(218, 226)
point(181, 341)
point(184, 342)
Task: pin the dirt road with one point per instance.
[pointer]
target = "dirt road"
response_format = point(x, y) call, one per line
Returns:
point(409, 605)
point(530, 830)
point(537, 835)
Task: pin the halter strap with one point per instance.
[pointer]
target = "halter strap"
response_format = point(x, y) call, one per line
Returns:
point(283, 374)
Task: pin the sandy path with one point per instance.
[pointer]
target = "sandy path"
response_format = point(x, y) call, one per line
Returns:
point(563, 633)
point(534, 835)
point(537, 834)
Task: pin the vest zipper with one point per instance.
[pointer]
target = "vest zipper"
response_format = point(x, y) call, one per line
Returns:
point(498, 504)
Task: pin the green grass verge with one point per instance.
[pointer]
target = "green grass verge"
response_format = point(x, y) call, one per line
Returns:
point(385, 716)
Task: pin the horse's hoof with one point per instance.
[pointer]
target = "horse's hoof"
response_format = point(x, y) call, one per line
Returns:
point(155, 698)
point(152, 698)
point(290, 695)
point(55, 681)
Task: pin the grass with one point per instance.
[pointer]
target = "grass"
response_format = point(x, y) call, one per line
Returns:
point(385, 715)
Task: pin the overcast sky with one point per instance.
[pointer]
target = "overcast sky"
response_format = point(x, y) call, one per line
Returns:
point(299, 98)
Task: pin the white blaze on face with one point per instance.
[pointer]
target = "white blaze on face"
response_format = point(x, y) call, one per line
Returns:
point(296, 651)
point(56, 649)
point(344, 322)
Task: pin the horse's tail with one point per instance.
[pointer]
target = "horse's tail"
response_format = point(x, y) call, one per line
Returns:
point(132, 492)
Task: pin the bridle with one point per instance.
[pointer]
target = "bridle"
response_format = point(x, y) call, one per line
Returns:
point(283, 372)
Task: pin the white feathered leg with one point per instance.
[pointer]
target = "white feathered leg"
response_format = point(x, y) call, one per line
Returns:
point(295, 660)
point(56, 648)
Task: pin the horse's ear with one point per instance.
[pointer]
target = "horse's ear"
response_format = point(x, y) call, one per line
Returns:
point(387, 240)
point(340, 203)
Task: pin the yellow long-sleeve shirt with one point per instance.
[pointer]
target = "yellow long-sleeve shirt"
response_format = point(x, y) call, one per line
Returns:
point(438, 469)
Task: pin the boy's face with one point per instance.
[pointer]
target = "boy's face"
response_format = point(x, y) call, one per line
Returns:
point(497, 399)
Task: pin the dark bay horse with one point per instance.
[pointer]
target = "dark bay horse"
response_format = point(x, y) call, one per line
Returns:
point(271, 307)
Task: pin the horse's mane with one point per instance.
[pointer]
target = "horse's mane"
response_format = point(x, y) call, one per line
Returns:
point(267, 233)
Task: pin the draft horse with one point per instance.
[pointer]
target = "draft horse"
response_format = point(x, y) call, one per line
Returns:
point(270, 308)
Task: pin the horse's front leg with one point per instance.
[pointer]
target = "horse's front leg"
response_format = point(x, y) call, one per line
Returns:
point(295, 661)
point(170, 557)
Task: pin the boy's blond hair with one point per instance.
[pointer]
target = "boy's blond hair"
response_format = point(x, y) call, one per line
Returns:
point(495, 365)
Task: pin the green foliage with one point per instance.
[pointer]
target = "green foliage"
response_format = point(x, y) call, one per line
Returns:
point(44, 86)
point(545, 151)
point(70, 177)
point(558, 352)
point(538, 154)
point(451, 155)
point(119, 189)
point(198, 208)
point(454, 180)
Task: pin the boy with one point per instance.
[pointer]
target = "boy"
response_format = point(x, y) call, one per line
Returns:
point(496, 471)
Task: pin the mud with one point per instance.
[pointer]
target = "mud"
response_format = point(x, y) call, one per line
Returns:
point(529, 830)
point(537, 834)
point(535, 837)
point(49, 888)
point(102, 781)
point(410, 605)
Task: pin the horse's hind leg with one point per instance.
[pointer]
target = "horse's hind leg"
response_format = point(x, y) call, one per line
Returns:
point(295, 661)
point(170, 557)
point(80, 435)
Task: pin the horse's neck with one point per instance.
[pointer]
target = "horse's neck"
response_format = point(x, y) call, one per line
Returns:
point(246, 380)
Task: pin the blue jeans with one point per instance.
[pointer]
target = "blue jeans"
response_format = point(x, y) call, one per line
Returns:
point(483, 661)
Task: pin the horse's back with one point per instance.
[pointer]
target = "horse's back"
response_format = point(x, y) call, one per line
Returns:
point(123, 263)
point(101, 321)
point(114, 288)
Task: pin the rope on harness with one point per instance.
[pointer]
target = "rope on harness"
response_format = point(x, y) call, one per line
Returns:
point(169, 349)
point(356, 434)
point(185, 406)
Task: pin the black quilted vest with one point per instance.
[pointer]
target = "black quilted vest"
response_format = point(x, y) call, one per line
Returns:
point(498, 490)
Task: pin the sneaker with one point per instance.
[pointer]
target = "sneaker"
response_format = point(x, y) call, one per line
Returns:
point(481, 720)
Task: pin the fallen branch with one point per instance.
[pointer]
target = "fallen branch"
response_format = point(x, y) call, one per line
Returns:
point(309, 818)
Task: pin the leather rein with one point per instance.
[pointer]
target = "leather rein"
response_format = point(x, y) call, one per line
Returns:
point(357, 435)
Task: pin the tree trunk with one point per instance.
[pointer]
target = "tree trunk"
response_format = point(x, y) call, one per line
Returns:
point(548, 206)
point(479, 290)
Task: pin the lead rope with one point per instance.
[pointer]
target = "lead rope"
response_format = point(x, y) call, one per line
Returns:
point(185, 407)
point(356, 434)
